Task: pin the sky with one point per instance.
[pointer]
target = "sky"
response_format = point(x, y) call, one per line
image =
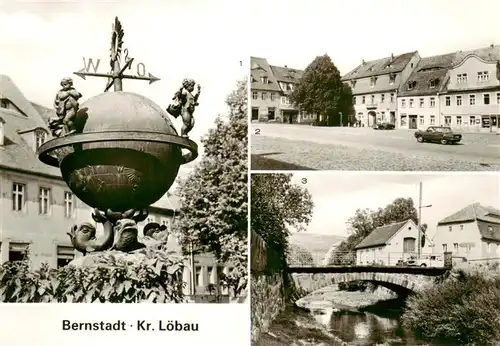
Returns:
point(337, 195)
point(42, 42)
point(349, 31)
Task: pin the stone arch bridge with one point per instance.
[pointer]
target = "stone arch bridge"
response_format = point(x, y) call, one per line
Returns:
point(401, 280)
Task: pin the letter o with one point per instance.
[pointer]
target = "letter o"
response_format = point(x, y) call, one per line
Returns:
point(141, 69)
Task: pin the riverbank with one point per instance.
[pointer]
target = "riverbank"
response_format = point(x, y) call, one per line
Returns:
point(297, 327)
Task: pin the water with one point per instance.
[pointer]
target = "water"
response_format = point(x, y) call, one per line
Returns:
point(379, 324)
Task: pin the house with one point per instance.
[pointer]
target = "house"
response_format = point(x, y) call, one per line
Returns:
point(386, 245)
point(270, 89)
point(37, 208)
point(375, 85)
point(472, 233)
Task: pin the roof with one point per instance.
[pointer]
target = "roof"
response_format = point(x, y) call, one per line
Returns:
point(473, 212)
point(489, 231)
point(380, 236)
point(382, 66)
point(45, 113)
point(168, 202)
point(428, 69)
point(259, 67)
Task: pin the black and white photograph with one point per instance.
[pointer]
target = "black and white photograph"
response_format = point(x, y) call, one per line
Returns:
point(376, 86)
point(123, 153)
point(374, 258)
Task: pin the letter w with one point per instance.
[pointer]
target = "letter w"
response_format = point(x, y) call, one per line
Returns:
point(91, 64)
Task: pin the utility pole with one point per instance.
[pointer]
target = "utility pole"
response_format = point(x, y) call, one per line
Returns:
point(419, 241)
point(193, 268)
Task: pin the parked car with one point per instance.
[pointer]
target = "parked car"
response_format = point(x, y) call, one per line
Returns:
point(427, 261)
point(440, 134)
point(384, 126)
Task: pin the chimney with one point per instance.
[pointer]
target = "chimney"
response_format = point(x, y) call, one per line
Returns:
point(2, 132)
point(286, 66)
point(492, 45)
point(392, 56)
point(363, 61)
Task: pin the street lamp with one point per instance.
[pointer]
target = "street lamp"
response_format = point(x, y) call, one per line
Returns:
point(341, 123)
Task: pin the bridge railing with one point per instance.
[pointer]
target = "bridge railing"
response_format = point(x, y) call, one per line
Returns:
point(364, 258)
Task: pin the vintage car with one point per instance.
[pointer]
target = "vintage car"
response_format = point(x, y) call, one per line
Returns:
point(440, 134)
point(384, 126)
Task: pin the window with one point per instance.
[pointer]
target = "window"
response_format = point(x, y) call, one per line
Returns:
point(373, 99)
point(459, 120)
point(404, 120)
point(264, 79)
point(363, 100)
point(459, 100)
point(433, 120)
point(433, 83)
point(445, 247)
point(486, 99)
point(461, 227)
point(450, 228)
point(392, 98)
point(44, 202)
point(410, 103)
point(498, 98)
point(18, 196)
point(373, 80)
point(483, 76)
point(382, 98)
point(17, 251)
point(447, 122)
point(4, 103)
point(354, 100)
point(455, 247)
point(472, 120)
point(421, 120)
point(65, 254)
point(462, 78)
point(403, 103)
point(271, 114)
point(432, 102)
point(273, 96)
point(264, 96)
point(472, 100)
point(353, 83)
point(68, 204)
point(448, 101)
point(392, 78)
point(421, 103)
point(409, 244)
point(411, 85)
point(41, 136)
point(255, 95)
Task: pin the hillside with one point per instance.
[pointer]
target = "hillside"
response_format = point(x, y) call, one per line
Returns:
point(317, 244)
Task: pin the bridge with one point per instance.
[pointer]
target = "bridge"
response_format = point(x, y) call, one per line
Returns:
point(401, 273)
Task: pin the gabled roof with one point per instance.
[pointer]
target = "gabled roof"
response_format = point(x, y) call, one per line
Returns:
point(382, 66)
point(471, 213)
point(379, 236)
point(259, 67)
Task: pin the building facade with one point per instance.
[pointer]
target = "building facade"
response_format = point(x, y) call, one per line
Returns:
point(270, 90)
point(459, 90)
point(387, 245)
point(375, 86)
point(37, 208)
point(472, 233)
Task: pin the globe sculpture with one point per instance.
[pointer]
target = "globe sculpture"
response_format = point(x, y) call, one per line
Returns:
point(118, 152)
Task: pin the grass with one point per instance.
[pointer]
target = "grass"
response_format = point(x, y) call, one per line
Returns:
point(259, 162)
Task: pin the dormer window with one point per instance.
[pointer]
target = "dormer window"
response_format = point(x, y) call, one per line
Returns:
point(373, 81)
point(40, 138)
point(264, 80)
point(433, 83)
point(370, 69)
point(392, 78)
point(411, 85)
point(4, 103)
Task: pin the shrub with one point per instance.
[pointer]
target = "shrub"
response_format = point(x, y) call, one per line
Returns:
point(154, 277)
point(464, 309)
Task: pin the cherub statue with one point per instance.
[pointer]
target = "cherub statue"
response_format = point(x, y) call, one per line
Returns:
point(184, 105)
point(66, 105)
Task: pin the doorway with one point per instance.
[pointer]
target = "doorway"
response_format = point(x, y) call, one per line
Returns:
point(393, 118)
point(372, 118)
point(494, 123)
point(413, 122)
point(255, 113)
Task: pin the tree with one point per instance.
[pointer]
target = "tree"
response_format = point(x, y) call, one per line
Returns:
point(320, 91)
point(214, 197)
point(276, 205)
point(299, 256)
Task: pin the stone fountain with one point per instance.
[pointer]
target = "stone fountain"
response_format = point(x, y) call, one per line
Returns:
point(118, 152)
